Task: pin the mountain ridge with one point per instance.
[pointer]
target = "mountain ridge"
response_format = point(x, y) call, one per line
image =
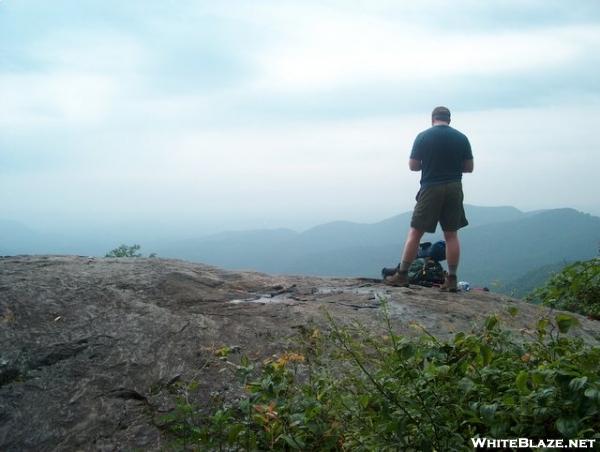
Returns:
point(500, 245)
point(361, 249)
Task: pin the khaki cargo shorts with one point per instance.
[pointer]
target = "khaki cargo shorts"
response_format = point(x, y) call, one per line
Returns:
point(443, 203)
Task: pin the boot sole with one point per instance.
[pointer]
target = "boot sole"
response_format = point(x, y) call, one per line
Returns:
point(387, 283)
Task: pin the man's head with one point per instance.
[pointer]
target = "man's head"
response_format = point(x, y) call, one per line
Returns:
point(440, 115)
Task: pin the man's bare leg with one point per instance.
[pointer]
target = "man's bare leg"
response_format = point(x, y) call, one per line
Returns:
point(453, 257)
point(411, 248)
point(452, 251)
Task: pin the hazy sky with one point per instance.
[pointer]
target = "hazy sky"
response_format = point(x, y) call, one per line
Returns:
point(237, 114)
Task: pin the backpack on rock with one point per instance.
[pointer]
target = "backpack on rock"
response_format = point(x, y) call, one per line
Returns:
point(436, 251)
point(426, 269)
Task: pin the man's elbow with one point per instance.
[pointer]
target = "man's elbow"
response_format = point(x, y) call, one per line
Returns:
point(414, 165)
point(468, 166)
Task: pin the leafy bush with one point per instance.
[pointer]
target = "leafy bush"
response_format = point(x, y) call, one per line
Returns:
point(127, 251)
point(352, 390)
point(576, 288)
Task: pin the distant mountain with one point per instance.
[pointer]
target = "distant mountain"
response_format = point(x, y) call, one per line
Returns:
point(502, 252)
point(258, 249)
point(500, 245)
point(16, 238)
point(234, 249)
point(479, 216)
point(531, 280)
point(339, 248)
point(340, 234)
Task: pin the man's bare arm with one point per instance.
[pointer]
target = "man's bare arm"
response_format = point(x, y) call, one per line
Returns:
point(467, 166)
point(414, 165)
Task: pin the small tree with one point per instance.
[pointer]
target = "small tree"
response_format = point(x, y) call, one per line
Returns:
point(576, 288)
point(125, 251)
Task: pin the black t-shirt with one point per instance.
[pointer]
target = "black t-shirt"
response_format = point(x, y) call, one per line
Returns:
point(442, 151)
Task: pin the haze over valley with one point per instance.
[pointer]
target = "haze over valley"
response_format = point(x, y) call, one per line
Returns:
point(501, 245)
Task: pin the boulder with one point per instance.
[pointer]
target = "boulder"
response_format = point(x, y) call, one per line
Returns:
point(93, 349)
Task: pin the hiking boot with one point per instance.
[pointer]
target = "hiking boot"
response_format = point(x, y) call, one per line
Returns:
point(398, 279)
point(386, 272)
point(449, 284)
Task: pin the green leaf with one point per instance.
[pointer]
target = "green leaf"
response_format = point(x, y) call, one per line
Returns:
point(491, 322)
point(486, 354)
point(293, 442)
point(459, 337)
point(234, 432)
point(567, 426)
point(541, 326)
point(508, 401)
point(364, 400)
point(513, 311)
point(499, 429)
point(577, 383)
point(406, 351)
point(443, 370)
point(565, 322)
point(223, 351)
point(592, 393)
point(521, 382)
point(466, 385)
point(488, 410)
point(537, 378)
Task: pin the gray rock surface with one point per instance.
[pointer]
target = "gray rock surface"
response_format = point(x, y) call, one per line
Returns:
point(91, 348)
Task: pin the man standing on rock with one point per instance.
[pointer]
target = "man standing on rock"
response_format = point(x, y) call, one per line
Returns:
point(442, 154)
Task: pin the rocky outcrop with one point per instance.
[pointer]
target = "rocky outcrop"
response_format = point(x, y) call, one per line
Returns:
point(92, 348)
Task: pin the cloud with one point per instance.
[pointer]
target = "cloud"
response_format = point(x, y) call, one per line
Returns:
point(324, 54)
point(73, 77)
point(290, 111)
point(35, 100)
point(222, 64)
point(96, 50)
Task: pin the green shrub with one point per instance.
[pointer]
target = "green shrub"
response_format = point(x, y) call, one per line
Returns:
point(125, 251)
point(353, 390)
point(576, 288)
